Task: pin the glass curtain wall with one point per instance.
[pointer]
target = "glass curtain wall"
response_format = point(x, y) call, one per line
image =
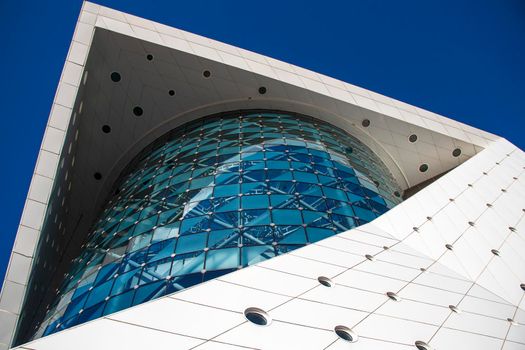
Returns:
point(215, 195)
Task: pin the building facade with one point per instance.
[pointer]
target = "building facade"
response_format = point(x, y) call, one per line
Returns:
point(193, 195)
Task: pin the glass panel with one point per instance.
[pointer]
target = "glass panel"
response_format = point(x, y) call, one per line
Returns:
point(213, 195)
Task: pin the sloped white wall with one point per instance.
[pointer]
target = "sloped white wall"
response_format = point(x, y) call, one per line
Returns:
point(410, 259)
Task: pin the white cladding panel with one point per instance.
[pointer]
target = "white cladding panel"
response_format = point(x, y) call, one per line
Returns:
point(483, 286)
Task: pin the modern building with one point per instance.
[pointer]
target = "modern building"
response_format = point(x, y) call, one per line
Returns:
point(189, 194)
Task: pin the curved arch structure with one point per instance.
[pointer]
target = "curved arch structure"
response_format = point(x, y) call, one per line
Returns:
point(215, 195)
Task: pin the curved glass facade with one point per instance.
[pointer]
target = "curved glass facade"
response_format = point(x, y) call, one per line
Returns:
point(215, 195)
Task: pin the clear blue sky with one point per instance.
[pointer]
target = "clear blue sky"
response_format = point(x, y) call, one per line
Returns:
point(462, 59)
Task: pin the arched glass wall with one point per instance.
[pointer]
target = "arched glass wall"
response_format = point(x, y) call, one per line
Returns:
point(215, 195)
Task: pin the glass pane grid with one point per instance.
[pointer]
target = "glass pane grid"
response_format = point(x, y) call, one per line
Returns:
point(215, 195)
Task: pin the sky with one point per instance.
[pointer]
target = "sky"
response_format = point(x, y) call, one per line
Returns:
point(462, 59)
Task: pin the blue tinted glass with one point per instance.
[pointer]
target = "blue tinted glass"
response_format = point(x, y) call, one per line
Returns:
point(287, 217)
point(217, 194)
point(222, 259)
point(255, 202)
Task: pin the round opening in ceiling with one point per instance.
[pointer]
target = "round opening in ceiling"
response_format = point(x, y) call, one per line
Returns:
point(106, 129)
point(262, 90)
point(397, 194)
point(149, 57)
point(97, 176)
point(346, 334)
point(171, 92)
point(522, 286)
point(325, 281)
point(206, 74)
point(257, 316)
point(365, 123)
point(495, 252)
point(115, 77)
point(138, 111)
point(423, 168)
point(393, 296)
point(512, 322)
point(412, 138)
point(456, 152)
point(370, 257)
point(421, 345)
point(449, 246)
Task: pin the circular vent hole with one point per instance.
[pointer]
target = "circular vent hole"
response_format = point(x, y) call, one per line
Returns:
point(397, 194)
point(421, 345)
point(522, 286)
point(106, 129)
point(495, 252)
point(346, 334)
point(512, 322)
point(423, 168)
point(449, 246)
point(454, 309)
point(456, 152)
point(257, 316)
point(262, 90)
point(97, 176)
point(171, 92)
point(370, 257)
point(513, 229)
point(325, 281)
point(393, 296)
point(115, 77)
point(471, 223)
point(206, 74)
point(365, 123)
point(412, 138)
point(138, 111)
point(149, 57)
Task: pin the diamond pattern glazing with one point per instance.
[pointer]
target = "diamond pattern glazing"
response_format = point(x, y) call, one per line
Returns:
point(215, 195)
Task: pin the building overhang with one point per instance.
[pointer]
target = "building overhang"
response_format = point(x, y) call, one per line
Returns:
point(64, 197)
